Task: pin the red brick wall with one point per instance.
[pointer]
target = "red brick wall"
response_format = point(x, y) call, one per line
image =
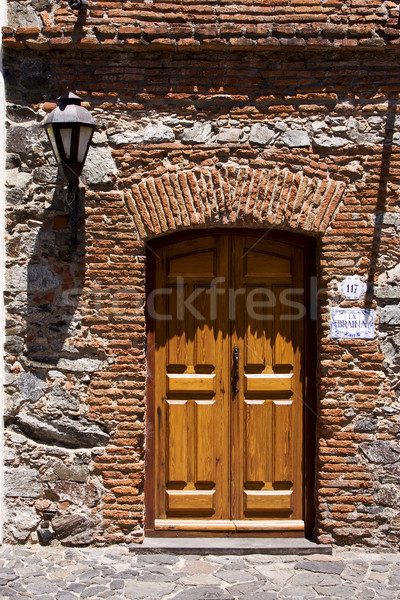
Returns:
point(188, 25)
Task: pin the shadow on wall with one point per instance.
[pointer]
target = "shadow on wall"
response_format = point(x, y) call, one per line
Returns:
point(55, 280)
point(384, 272)
point(47, 405)
point(385, 190)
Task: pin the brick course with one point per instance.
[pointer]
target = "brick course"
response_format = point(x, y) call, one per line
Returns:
point(246, 25)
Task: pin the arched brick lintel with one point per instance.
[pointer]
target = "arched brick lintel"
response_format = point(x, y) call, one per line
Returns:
point(233, 196)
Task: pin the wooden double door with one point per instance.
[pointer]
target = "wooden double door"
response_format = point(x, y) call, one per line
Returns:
point(227, 387)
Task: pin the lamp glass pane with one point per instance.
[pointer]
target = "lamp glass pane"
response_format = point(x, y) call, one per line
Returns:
point(66, 136)
point(84, 139)
point(50, 134)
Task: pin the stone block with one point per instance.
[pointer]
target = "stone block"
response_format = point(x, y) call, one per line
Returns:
point(41, 279)
point(366, 424)
point(391, 348)
point(381, 452)
point(387, 292)
point(22, 482)
point(275, 573)
point(280, 126)
point(16, 278)
point(388, 495)
point(310, 579)
point(20, 139)
point(76, 529)
point(156, 134)
point(20, 114)
point(19, 522)
point(31, 385)
point(393, 275)
point(235, 576)
point(46, 174)
point(14, 344)
point(99, 167)
point(135, 590)
point(20, 15)
point(261, 134)
point(327, 141)
point(18, 179)
point(78, 473)
point(25, 243)
point(229, 135)
point(45, 536)
point(336, 591)
point(296, 138)
point(200, 579)
point(67, 524)
point(297, 593)
point(15, 197)
point(13, 161)
point(318, 126)
point(78, 494)
point(200, 133)
point(123, 138)
point(81, 365)
point(390, 315)
point(61, 402)
point(64, 431)
point(391, 218)
point(321, 566)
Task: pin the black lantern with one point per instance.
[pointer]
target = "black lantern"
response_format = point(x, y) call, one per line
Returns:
point(70, 129)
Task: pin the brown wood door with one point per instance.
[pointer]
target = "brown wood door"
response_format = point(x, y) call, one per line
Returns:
point(226, 460)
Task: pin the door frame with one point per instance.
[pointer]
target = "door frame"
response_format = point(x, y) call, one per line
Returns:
point(309, 245)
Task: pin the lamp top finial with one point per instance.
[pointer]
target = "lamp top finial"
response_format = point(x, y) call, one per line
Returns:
point(69, 98)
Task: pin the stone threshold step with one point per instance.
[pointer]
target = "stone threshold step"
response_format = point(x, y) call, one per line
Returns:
point(204, 546)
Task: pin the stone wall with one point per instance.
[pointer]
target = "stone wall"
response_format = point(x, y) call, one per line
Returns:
point(300, 140)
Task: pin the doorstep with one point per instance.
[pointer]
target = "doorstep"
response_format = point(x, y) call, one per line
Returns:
point(204, 546)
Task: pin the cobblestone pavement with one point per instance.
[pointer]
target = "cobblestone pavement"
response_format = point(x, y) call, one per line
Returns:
point(56, 573)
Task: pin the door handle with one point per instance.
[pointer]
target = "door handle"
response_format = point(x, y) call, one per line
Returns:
point(235, 370)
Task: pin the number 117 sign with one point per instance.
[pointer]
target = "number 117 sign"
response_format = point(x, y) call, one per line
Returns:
point(352, 287)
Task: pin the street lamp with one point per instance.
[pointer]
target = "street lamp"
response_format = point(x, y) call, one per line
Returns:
point(70, 129)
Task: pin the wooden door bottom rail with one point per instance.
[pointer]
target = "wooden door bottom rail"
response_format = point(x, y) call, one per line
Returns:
point(219, 525)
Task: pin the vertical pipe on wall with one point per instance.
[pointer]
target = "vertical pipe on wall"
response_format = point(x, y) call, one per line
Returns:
point(3, 21)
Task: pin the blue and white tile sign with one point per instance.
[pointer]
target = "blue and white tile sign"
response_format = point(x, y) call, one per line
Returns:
point(352, 323)
point(352, 287)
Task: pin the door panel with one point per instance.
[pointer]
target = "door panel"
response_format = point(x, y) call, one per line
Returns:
point(191, 401)
point(267, 416)
point(229, 461)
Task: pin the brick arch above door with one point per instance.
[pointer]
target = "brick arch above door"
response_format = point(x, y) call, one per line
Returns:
point(233, 195)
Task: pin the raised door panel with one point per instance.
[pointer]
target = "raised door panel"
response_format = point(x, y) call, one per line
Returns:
point(192, 405)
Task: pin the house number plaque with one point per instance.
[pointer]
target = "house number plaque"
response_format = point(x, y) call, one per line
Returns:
point(349, 323)
point(352, 287)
